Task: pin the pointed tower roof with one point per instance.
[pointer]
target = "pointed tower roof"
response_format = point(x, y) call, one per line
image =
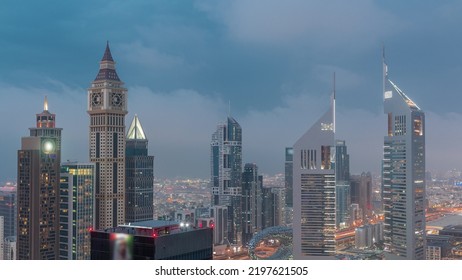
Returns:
point(107, 53)
point(390, 89)
point(107, 67)
point(135, 132)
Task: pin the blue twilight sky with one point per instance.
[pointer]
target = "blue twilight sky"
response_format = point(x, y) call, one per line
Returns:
point(182, 61)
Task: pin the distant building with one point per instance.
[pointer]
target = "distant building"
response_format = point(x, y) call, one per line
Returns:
point(439, 247)
point(314, 190)
point(185, 216)
point(403, 174)
point(38, 190)
point(355, 212)
point(220, 216)
point(251, 208)
point(77, 212)
point(8, 210)
point(342, 184)
point(452, 230)
point(139, 176)
point(152, 240)
point(9, 248)
point(368, 235)
point(288, 184)
point(2, 237)
point(226, 174)
point(361, 193)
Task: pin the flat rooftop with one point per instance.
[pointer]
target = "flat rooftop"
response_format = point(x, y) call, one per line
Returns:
point(151, 224)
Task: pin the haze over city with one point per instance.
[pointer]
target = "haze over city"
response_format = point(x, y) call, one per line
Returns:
point(273, 61)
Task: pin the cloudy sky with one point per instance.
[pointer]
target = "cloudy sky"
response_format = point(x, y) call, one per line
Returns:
point(183, 61)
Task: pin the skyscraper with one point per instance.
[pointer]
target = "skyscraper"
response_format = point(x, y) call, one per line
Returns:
point(8, 210)
point(107, 107)
point(251, 202)
point(361, 193)
point(2, 237)
point(342, 185)
point(403, 174)
point(77, 210)
point(226, 169)
point(139, 176)
point(38, 190)
point(288, 184)
point(314, 190)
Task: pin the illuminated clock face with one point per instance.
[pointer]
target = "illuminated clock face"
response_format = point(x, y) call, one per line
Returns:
point(117, 100)
point(96, 99)
point(48, 146)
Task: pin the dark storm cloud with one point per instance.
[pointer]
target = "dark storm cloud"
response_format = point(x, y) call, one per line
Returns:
point(183, 61)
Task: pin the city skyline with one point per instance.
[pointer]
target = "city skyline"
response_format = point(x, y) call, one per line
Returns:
point(229, 57)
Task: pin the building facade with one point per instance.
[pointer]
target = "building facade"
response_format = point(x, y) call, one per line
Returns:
point(288, 184)
point(8, 210)
point(152, 240)
point(107, 107)
point(77, 210)
point(38, 190)
point(139, 176)
point(251, 202)
point(314, 190)
point(403, 174)
point(361, 193)
point(226, 171)
point(342, 185)
point(9, 248)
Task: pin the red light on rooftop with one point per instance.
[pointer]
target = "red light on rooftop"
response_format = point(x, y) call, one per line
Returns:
point(154, 235)
point(90, 229)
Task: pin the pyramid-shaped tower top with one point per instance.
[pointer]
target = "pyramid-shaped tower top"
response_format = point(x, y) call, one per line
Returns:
point(107, 54)
point(107, 67)
point(135, 132)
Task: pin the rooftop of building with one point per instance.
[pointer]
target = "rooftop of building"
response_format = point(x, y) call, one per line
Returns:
point(152, 224)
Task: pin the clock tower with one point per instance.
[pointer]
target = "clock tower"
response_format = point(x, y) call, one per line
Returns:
point(107, 107)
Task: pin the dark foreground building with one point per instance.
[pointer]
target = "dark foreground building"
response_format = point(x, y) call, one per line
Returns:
point(152, 240)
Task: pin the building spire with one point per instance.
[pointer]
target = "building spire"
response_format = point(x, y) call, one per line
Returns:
point(384, 69)
point(45, 104)
point(107, 53)
point(136, 132)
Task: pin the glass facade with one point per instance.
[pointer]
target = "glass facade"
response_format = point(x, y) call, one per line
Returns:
point(76, 214)
point(139, 176)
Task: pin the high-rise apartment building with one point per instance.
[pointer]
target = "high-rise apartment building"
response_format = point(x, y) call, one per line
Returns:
point(77, 211)
point(38, 190)
point(139, 176)
point(403, 174)
point(251, 202)
point(314, 190)
point(107, 107)
point(226, 171)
